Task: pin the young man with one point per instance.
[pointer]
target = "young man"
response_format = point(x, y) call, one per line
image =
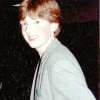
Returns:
point(58, 75)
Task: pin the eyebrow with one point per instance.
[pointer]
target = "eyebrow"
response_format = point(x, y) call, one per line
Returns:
point(33, 17)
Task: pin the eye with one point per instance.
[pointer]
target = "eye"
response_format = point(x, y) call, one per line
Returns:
point(23, 23)
point(37, 22)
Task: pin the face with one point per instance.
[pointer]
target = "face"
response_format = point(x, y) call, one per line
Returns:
point(37, 32)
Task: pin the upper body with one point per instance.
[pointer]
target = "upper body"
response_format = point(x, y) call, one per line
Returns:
point(60, 76)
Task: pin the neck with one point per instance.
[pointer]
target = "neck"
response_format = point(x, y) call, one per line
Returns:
point(42, 49)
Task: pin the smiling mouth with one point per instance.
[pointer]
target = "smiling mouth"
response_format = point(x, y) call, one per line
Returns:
point(31, 38)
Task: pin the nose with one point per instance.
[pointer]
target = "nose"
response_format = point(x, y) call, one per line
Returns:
point(30, 29)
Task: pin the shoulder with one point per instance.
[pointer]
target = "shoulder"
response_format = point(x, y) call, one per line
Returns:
point(61, 54)
point(62, 59)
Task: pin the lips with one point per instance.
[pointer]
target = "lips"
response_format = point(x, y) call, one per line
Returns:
point(31, 38)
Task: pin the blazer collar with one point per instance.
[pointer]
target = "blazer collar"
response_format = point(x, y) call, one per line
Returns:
point(50, 49)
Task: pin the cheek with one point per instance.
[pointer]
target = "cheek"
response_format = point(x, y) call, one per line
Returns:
point(44, 30)
point(24, 35)
point(45, 33)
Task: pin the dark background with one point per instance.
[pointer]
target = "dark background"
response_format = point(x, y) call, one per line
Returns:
point(80, 33)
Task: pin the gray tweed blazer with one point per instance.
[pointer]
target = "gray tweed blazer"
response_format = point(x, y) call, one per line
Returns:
point(60, 76)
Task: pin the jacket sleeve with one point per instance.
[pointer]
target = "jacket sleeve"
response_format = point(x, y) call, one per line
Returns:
point(68, 82)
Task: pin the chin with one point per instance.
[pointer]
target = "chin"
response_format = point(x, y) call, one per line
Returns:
point(32, 46)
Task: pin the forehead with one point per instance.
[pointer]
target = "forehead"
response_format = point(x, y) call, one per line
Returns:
point(30, 19)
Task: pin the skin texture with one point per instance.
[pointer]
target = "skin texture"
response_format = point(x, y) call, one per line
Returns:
point(37, 32)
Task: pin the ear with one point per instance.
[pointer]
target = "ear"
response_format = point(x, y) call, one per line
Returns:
point(54, 27)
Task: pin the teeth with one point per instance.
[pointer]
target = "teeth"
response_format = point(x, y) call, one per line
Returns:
point(32, 37)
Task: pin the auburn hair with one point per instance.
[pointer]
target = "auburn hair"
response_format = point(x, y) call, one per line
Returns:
point(45, 9)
